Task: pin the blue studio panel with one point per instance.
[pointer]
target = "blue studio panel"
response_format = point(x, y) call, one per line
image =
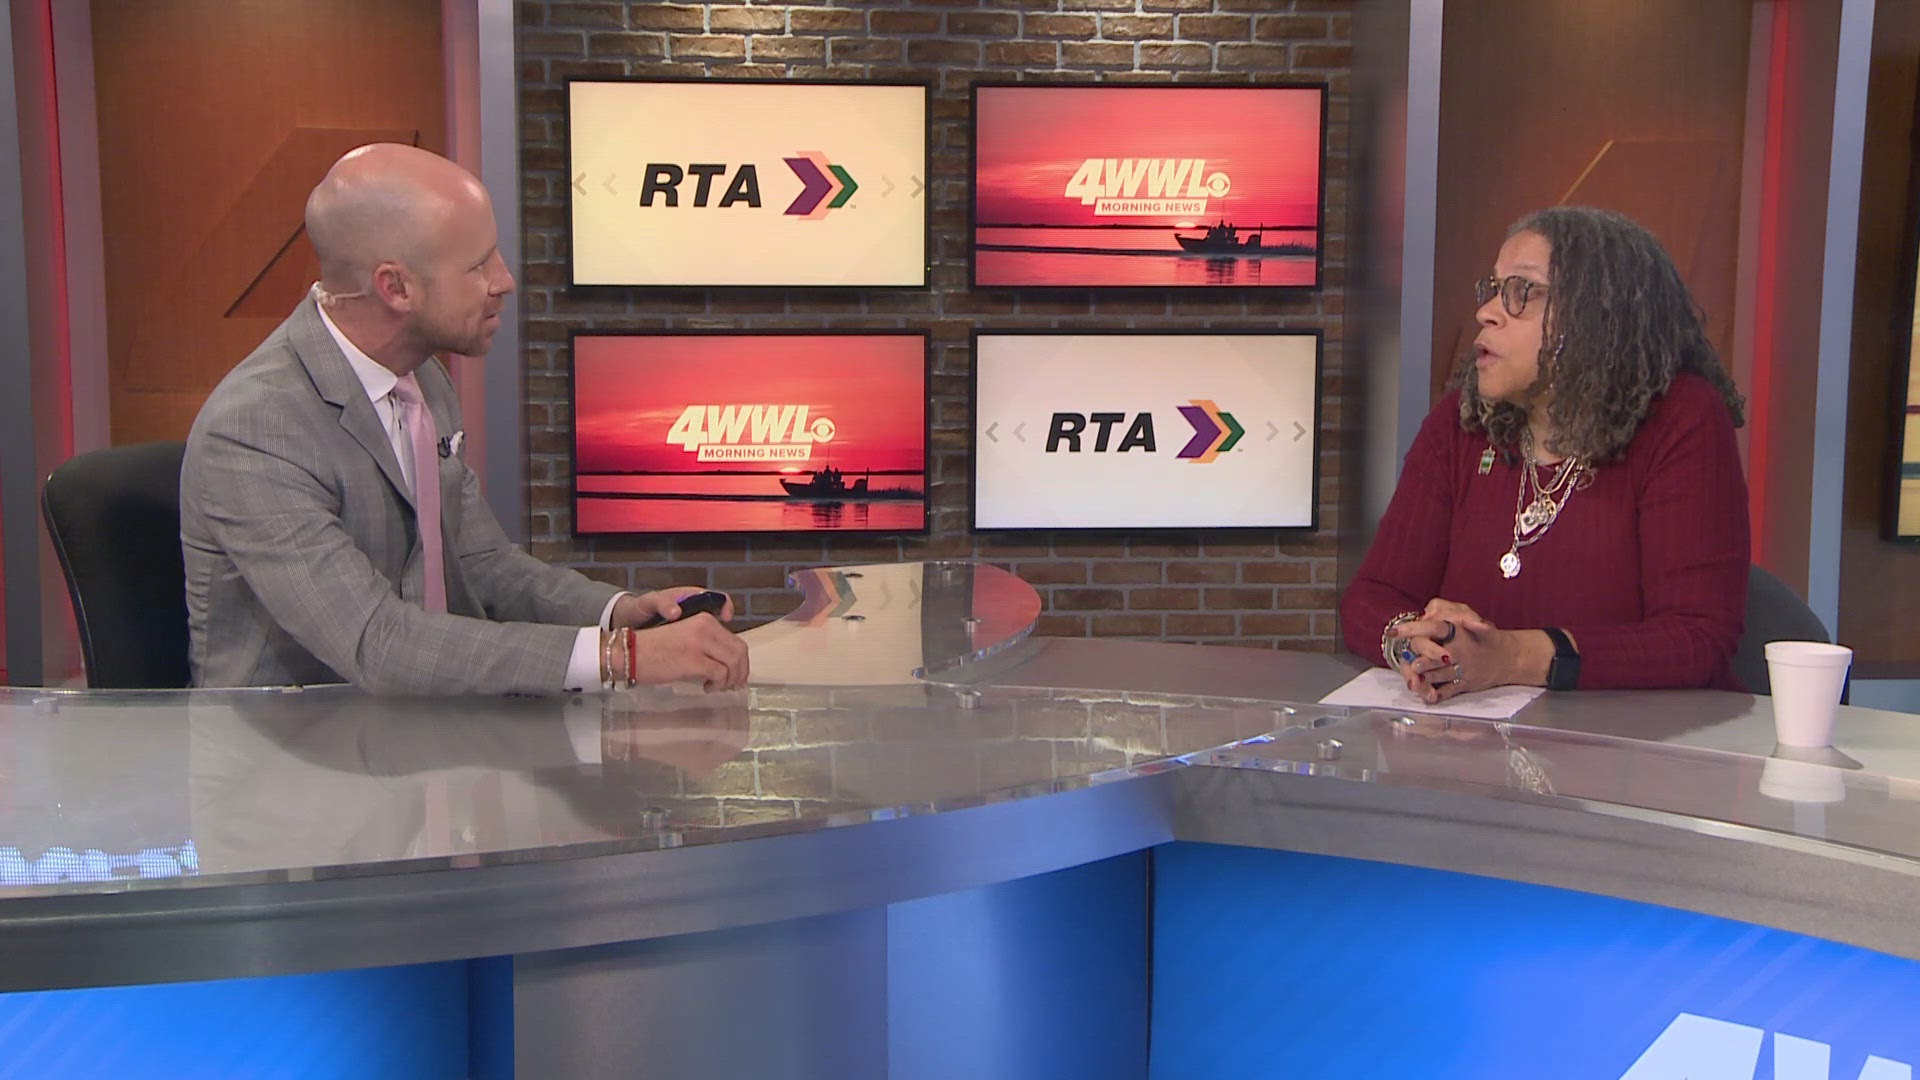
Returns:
point(403, 1023)
point(1271, 964)
point(1044, 978)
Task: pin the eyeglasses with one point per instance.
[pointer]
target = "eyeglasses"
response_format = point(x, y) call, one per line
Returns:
point(1513, 290)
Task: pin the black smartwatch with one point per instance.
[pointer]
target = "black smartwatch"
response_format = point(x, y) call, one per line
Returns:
point(1564, 672)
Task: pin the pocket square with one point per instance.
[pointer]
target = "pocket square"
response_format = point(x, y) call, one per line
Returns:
point(450, 445)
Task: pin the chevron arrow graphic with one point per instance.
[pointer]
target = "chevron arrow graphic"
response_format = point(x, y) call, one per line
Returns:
point(1205, 431)
point(1234, 431)
point(1272, 431)
point(919, 185)
point(608, 183)
point(1018, 428)
point(1299, 430)
point(846, 192)
point(580, 184)
point(991, 437)
point(888, 190)
point(814, 186)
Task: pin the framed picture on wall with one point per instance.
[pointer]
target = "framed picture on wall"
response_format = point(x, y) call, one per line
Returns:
point(728, 432)
point(1902, 516)
point(703, 183)
point(1135, 431)
point(1121, 186)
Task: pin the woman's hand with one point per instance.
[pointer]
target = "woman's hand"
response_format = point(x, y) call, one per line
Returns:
point(1455, 657)
point(1457, 613)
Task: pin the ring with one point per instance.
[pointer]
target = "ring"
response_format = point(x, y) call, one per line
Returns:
point(1450, 632)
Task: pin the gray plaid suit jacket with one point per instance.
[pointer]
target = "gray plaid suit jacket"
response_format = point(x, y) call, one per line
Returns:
point(303, 560)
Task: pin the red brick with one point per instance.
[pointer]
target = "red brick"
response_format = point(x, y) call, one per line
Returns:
point(1135, 27)
point(1162, 55)
point(1088, 599)
point(1163, 599)
point(1095, 54)
point(1021, 53)
point(824, 20)
point(744, 20)
point(1204, 573)
point(1237, 57)
point(1079, 27)
point(983, 24)
point(788, 49)
point(864, 50)
point(707, 47)
point(903, 22)
point(943, 52)
point(1216, 27)
point(1289, 28)
point(666, 17)
point(1256, 599)
point(1127, 572)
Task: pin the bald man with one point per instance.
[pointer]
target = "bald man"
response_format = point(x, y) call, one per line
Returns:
point(306, 558)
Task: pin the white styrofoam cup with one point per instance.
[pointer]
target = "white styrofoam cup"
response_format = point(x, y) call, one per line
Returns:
point(1807, 677)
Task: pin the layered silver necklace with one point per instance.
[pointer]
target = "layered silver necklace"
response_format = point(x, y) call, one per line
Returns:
point(1532, 517)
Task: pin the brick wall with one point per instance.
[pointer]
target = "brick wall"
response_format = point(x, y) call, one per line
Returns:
point(1275, 589)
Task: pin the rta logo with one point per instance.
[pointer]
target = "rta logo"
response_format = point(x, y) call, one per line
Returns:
point(824, 186)
point(665, 180)
point(1214, 432)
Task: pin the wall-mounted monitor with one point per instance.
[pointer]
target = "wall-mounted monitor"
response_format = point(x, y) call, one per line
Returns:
point(1091, 186)
point(1145, 430)
point(714, 182)
point(749, 433)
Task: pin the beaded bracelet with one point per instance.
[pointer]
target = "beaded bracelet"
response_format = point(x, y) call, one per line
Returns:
point(633, 661)
point(606, 660)
point(1387, 637)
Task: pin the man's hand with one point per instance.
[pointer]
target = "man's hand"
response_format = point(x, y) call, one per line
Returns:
point(692, 648)
point(637, 609)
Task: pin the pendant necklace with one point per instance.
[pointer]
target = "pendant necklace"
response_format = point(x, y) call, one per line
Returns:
point(1533, 517)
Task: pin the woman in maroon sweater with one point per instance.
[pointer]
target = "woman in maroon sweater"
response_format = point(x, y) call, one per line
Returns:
point(1573, 514)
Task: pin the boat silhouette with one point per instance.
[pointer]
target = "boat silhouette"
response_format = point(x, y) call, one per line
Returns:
point(825, 483)
point(1222, 238)
point(830, 484)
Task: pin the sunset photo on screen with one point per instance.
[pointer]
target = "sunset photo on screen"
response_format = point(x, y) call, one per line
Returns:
point(749, 433)
point(1147, 186)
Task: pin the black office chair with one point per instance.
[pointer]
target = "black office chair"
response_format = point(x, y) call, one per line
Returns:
point(1774, 613)
point(114, 515)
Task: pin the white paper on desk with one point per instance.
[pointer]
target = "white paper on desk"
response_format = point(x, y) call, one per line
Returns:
point(1378, 688)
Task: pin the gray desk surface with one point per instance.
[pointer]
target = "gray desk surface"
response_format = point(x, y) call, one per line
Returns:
point(148, 836)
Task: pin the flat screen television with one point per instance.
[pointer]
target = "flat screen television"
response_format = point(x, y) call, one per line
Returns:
point(1095, 186)
point(716, 182)
point(1134, 431)
point(729, 432)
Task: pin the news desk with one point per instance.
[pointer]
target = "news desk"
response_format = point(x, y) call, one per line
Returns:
point(925, 844)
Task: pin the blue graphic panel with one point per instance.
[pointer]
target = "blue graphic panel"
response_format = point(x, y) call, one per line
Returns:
point(1044, 978)
point(1271, 964)
point(402, 1022)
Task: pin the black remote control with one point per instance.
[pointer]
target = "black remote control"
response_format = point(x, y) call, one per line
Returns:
point(708, 601)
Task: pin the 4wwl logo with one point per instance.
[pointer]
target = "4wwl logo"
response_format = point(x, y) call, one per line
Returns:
point(1702, 1048)
point(749, 432)
point(1132, 187)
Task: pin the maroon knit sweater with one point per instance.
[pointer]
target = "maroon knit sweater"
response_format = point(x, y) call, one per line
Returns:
point(1646, 567)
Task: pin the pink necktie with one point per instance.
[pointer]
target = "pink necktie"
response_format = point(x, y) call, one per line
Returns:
point(426, 485)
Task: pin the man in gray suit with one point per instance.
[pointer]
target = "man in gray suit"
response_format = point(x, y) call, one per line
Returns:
point(305, 560)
